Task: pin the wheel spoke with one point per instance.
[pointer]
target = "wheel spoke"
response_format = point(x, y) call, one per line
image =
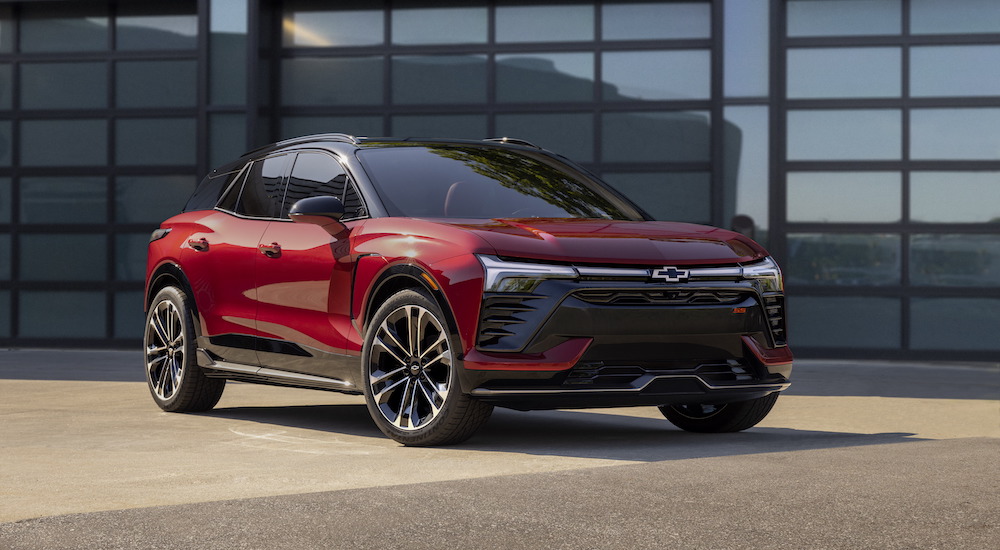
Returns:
point(161, 377)
point(381, 343)
point(375, 378)
point(442, 338)
point(430, 396)
point(382, 396)
point(446, 354)
point(403, 409)
point(411, 329)
point(158, 329)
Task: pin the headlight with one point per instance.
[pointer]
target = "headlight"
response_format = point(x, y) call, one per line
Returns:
point(766, 273)
point(503, 276)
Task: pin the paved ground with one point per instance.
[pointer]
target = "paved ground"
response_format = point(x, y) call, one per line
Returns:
point(855, 455)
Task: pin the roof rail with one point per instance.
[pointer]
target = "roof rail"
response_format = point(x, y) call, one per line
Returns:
point(345, 138)
point(514, 141)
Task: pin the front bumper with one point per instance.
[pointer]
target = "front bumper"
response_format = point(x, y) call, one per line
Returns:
point(610, 343)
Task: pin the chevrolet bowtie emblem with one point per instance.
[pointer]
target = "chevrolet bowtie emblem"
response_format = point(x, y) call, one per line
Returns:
point(671, 274)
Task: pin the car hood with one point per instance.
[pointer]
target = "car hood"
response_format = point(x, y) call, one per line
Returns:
point(613, 241)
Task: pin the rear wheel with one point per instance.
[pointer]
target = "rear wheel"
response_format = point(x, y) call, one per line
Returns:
point(719, 418)
point(175, 380)
point(411, 387)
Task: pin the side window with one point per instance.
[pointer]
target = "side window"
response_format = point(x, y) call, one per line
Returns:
point(262, 191)
point(316, 174)
point(353, 207)
point(232, 196)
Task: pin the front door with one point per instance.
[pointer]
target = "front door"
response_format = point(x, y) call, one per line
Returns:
point(303, 282)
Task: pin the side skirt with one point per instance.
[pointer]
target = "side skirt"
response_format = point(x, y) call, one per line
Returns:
point(263, 375)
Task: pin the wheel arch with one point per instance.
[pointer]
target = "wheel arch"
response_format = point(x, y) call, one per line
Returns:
point(401, 277)
point(168, 274)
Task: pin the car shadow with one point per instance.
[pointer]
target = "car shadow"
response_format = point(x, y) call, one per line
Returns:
point(573, 434)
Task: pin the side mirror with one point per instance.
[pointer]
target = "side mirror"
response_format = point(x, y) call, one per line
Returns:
point(324, 211)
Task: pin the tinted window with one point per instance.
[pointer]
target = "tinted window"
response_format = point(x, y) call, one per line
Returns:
point(210, 191)
point(485, 182)
point(262, 192)
point(316, 174)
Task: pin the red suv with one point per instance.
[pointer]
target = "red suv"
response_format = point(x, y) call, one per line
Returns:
point(441, 278)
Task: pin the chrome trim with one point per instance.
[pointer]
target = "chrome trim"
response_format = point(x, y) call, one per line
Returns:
point(232, 367)
point(285, 375)
point(715, 273)
point(482, 392)
point(613, 272)
point(496, 270)
point(264, 372)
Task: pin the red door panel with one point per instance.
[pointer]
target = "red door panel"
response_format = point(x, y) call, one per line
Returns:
point(303, 286)
point(220, 262)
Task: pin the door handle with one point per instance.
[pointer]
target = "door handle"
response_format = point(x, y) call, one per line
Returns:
point(272, 250)
point(201, 245)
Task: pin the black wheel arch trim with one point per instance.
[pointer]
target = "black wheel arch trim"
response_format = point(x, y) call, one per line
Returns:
point(406, 275)
point(170, 271)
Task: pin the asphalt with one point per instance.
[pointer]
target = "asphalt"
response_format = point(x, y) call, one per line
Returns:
point(854, 455)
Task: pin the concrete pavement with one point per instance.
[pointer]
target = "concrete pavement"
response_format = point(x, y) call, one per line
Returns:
point(854, 455)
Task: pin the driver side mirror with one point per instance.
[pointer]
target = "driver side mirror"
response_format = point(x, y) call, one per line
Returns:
point(324, 211)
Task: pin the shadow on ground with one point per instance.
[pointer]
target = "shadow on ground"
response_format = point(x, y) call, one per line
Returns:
point(573, 434)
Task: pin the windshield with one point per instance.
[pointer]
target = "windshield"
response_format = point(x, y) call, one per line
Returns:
point(449, 181)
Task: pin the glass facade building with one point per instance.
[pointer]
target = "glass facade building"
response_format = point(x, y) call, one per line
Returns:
point(858, 139)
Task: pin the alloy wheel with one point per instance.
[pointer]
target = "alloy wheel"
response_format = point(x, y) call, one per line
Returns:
point(165, 349)
point(410, 369)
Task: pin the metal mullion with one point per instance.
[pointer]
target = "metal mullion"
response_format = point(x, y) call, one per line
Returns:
point(597, 147)
point(15, 180)
point(670, 105)
point(251, 109)
point(777, 115)
point(201, 84)
point(385, 52)
point(717, 146)
point(112, 133)
point(275, 76)
point(904, 240)
point(491, 70)
point(112, 129)
point(746, 101)
point(844, 104)
point(680, 44)
point(842, 41)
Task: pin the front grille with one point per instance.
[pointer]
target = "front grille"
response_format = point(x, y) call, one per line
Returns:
point(775, 307)
point(657, 297)
point(500, 315)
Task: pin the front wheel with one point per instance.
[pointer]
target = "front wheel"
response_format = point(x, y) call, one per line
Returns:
point(719, 418)
point(411, 381)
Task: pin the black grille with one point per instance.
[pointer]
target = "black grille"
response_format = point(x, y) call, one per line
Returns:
point(659, 297)
point(600, 374)
point(775, 307)
point(500, 315)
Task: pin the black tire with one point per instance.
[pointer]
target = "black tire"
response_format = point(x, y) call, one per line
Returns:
point(726, 417)
point(175, 380)
point(411, 375)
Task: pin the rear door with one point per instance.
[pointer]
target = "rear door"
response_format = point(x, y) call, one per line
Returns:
point(220, 260)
